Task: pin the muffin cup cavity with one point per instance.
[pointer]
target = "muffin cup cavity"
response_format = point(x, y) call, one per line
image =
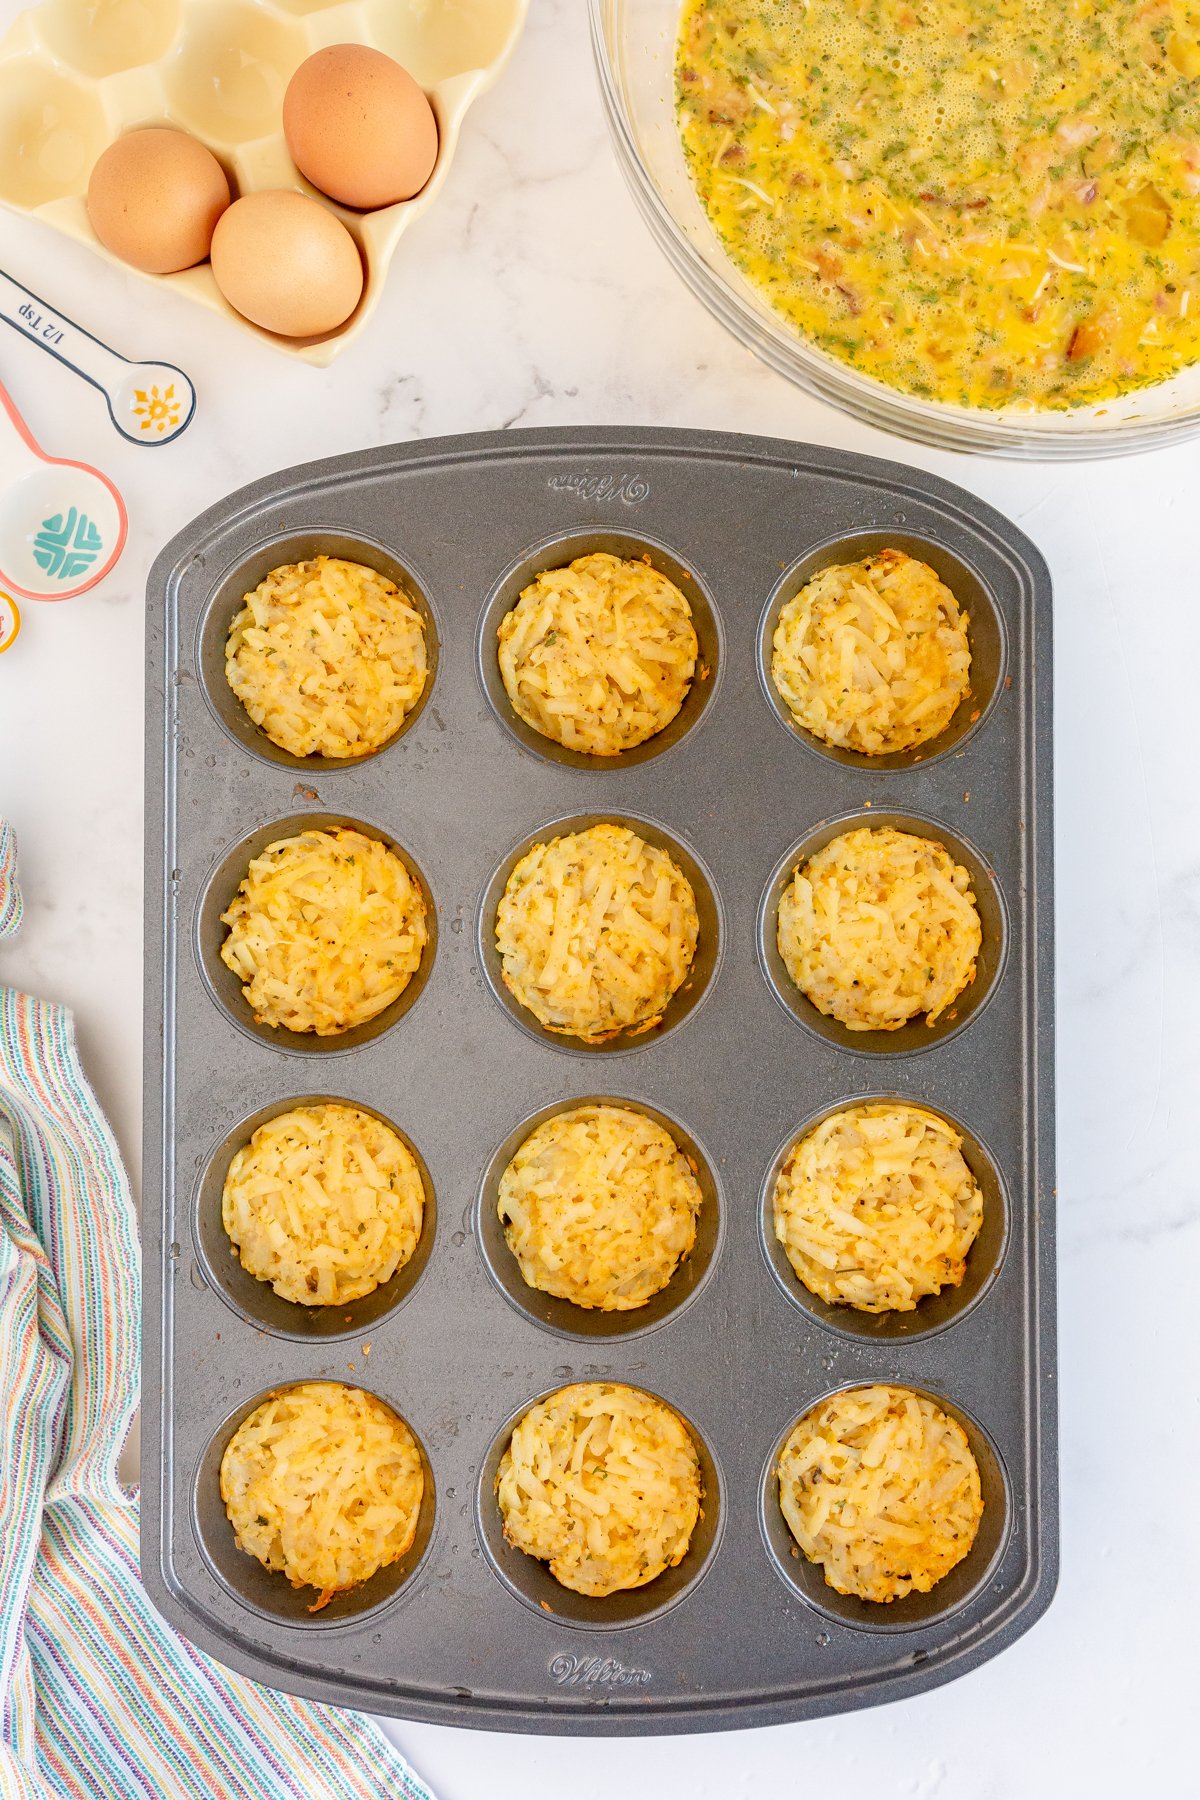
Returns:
point(225, 602)
point(936, 1311)
point(916, 1035)
point(914, 1612)
point(530, 1580)
point(256, 1301)
point(589, 1323)
point(556, 553)
point(223, 985)
point(985, 632)
point(709, 943)
point(268, 1592)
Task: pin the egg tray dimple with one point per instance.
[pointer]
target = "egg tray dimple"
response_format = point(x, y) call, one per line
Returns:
point(76, 74)
point(467, 1630)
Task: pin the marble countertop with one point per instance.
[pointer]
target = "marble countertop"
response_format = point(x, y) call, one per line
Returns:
point(532, 295)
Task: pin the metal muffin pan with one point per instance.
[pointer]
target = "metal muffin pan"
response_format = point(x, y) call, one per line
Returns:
point(466, 1630)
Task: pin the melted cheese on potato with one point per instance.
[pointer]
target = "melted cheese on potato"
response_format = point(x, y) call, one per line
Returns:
point(875, 1207)
point(599, 1207)
point(325, 931)
point(880, 1487)
point(879, 927)
point(328, 657)
point(602, 1482)
point(598, 656)
point(596, 931)
point(324, 1483)
point(873, 656)
point(324, 1202)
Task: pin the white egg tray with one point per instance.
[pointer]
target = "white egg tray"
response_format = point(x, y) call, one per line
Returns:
point(75, 74)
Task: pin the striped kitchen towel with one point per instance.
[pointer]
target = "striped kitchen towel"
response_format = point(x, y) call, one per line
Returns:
point(102, 1700)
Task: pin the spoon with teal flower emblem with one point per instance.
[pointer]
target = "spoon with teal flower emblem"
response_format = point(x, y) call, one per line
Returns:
point(62, 524)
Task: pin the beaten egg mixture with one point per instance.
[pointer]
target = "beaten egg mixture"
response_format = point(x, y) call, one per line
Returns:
point(983, 202)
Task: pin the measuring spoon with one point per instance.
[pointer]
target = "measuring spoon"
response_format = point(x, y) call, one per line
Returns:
point(148, 402)
point(62, 524)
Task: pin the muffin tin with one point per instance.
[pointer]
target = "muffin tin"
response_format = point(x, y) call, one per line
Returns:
point(75, 74)
point(466, 1630)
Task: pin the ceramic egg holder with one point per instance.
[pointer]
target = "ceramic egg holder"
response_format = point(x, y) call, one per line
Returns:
point(75, 74)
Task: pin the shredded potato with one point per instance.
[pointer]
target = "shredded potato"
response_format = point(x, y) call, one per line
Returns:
point(873, 656)
point(598, 656)
point(879, 927)
point(596, 931)
point(328, 657)
point(325, 931)
point(603, 1483)
point(876, 1207)
point(325, 1203)
point(599, 1207)
point(879, 1487)
point(324, 1483)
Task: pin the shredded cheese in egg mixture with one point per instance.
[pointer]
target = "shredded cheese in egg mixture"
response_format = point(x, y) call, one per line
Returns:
point(879, 927)
point(325, 931)
point(989, 203)
point(328, 657)
point(880, 1487)
point(598, 656)
point(323, 1483)
point(599, 1207)
point(873, 656)
point(596, 931)
point(325, 1203)
point(603, 1483)
point(876, 1207)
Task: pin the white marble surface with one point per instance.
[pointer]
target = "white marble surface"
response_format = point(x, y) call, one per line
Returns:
point(532, 295)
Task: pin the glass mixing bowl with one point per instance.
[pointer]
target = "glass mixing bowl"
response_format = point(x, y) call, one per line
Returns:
point(634, 42)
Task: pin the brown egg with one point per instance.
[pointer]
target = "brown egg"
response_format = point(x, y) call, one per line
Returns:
point(155, 197)
point(284, 261)
point(358, 127)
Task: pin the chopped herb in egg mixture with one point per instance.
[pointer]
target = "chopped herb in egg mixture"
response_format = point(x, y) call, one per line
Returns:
point(987, 202)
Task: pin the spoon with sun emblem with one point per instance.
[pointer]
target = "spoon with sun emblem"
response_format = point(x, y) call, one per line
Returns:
point(148, 402)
